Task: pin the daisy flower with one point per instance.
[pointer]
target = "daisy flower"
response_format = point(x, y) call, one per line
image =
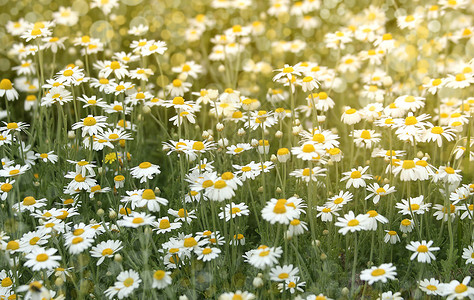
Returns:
point(391, 237)
point(376, 191)
point(445, 174)
point(47, 157)
point(105, 249)
point(237, 295)
point(144, 171)
point(280, 211)
point(281, 273)
point(381, 273)
point(468, 254)
point(422, 251)
point(233, 210)
point(5, 188)
point(7, 90)
point(12, 171)
point(307, 174)
point(80, 182)
point(136, 219)
point(263, 256)
point(413, 206)
point(127, 282)
point(437, 133)
point(352, 223)
point(288, 72)
point(458, 290)
point(356, 177)
point(351, 116)
point(374, 219)
point(366, 138)
point(163, 225)
point(431, 286)
point(207, 253)
point(161, 279)
point(41, 258)
point(339, 200)
point(14, 127)
point(296, 227)
point(307, 151)
point(292, 284)
point(326, 213)
point(91, 125)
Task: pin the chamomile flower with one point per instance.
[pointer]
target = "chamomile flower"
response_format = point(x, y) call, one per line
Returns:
point(7, 90)
point(458, 290)
point(41, 258)
point(422, 251)
point(91, 125)
point(127, 282)
point(431, 286)
point(47, 157)
point(161, 279)
point(163, 225)
point(378, 191)
point(135, 220)
point(106, 249)
point(207, 253)
point(382, 273)
point(144, 171)
point(391, 237)
point(282, 273)
point(351, 222)
point(263, 256)
point(233, 210)
point(468, 254)
point(356, 177)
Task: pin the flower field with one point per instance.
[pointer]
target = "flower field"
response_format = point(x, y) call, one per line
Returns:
point(236, 149)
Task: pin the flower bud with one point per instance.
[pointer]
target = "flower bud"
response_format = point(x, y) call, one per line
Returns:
point(323, 256)
point(345, 291)
point(278, 134)
point(100, 212)
point(241, 132)
point(257, 282)
point(118, 257)
point(146, 109)
point(220, 127)
point(112, 214)
point(221, 68)
point(71, 135)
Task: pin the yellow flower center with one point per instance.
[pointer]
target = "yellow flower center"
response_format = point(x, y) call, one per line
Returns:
point(365, 134)
point(27, 201)
point(128, 282)
point(159, 275)
point(353, 222)
point(378, 272)
point(190, 242)
point(449, 170)
point(288, 70)
point(42, 257)
point(411, 120)
point(164, 224)
point(6, 187)
point(138, 220)
point(90, 121)
point(308, 148)
point(220, 184)
point(6, 282)
point(356, 174)
point(107, 251)
point(148, 194)
point(115, 65)
point(422, 249)
point(144, 165)
point(6, 84)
